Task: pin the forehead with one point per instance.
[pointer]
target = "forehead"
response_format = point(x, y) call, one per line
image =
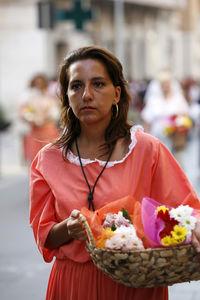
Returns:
point(89, 67)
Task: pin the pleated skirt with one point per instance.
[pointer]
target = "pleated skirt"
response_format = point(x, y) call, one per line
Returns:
point(70, 280)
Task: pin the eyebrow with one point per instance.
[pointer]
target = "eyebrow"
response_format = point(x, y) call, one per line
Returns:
point(99, 78)
point(93, 78)
point(75, 80)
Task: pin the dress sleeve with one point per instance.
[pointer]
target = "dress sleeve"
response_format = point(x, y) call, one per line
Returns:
point(169, 183)
point(42, 211)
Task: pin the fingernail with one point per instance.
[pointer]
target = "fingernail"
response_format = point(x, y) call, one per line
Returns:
point(198, 249)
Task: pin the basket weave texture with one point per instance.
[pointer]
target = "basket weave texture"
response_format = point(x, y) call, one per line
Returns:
point(147, 268)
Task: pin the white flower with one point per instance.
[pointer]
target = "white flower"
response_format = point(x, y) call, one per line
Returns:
point(125, 239)
point(125, 232)
point(115, 242)
point(133, 244)
point(189, 223)
point(181, 213)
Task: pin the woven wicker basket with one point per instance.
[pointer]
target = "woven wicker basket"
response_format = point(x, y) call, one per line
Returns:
point(148, 268)
point(179, 140)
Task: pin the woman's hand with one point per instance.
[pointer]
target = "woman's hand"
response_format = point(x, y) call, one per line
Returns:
point(63, 232)
point(196, 237)
point(74, 227)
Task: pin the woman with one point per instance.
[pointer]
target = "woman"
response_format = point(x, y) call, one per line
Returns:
point(40, 111)
point(98, 158)
point(164, 100)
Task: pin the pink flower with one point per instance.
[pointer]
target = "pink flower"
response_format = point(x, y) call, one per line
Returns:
point(115, 219)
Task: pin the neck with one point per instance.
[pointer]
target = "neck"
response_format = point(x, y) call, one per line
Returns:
point(90, 141)
point(92, 135)
point(167, 94)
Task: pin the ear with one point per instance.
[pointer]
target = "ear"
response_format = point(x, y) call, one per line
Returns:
point(117, 94)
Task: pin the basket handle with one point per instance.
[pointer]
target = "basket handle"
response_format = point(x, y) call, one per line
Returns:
point(87, 229)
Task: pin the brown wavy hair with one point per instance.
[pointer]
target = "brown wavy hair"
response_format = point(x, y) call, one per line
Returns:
point(118, 127)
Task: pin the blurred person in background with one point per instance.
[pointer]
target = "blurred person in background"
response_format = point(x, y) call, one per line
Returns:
point(191, 90)
point(54, 88)
point(166, 113)
point(40, 110)
point(192, 93)
point(137, 89)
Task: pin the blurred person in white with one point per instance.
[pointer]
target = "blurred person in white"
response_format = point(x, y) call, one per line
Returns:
point(164, 99)
point(40, 110)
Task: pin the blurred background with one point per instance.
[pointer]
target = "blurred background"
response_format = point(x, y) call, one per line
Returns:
point(158, 43)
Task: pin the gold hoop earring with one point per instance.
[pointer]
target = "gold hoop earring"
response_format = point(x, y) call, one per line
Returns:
point(115, 115)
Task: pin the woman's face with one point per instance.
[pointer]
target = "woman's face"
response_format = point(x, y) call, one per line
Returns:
point(40, 82)
point(91, 92)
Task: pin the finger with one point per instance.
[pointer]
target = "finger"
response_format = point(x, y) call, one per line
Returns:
point(75, 213)
point(81, 237)
point(78, 235)
point(197, 231)
point(74, 228)
point(74, 223)
point(76, 231)
point(195, 243)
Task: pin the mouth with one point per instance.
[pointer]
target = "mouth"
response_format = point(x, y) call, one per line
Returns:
point(87, 108)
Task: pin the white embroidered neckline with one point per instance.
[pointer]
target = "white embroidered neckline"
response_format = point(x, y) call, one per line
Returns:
point(85, 161)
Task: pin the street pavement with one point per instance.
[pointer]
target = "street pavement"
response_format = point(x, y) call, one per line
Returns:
point(23, 273)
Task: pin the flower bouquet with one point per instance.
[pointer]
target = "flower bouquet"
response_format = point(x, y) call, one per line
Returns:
point(39, 111)
point(118, 232)
point(166, 226)
point(177, 127)
point(117, 244)
point(177, 123)
point(27, 112)
point(32, 114)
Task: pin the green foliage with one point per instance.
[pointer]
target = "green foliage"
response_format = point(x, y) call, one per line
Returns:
point(126, 215)
point(113, 228)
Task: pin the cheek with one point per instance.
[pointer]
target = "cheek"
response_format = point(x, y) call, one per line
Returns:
point(75, 94)
point(74, 103)
point(72, 97)
point(70, 94)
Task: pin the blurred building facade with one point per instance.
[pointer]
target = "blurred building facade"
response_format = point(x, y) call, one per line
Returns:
point(147, 35)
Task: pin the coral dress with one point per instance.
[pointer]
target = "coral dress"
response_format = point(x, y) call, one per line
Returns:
point(58, 187)
point(37, 138)
point(41, 112)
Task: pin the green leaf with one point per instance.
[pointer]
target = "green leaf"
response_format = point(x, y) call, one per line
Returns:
point(113, 228)
point(126, 215)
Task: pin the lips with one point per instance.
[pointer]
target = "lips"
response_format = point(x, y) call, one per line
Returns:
point(87, 108)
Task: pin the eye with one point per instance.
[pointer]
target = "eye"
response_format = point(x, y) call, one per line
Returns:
point(99, 84)
point(75, 86)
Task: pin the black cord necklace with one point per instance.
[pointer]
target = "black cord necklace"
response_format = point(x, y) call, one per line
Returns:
point(91, 191)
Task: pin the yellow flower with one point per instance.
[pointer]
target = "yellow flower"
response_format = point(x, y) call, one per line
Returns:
point(163, 208)
point(168, 240)
point(178, 236)
point(183, 121)
point(29, 109)
point(168, 130)
point(187, 122)
point(106, 234)
point(179, 233)
point(108, 229)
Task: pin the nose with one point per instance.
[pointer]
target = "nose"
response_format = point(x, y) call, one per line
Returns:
point(87, 93)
